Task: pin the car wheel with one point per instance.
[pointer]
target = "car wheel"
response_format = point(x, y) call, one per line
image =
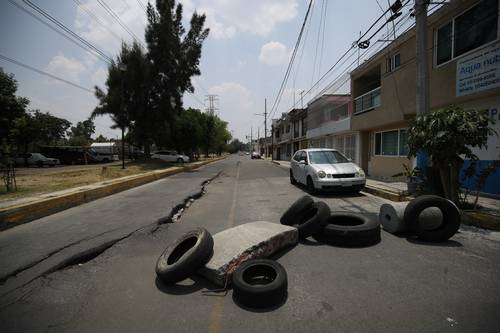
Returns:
point(310, 185)
point(260, 283)
point(292, 180)
point(450, 221)
point(185, 255)
point(180, 160)
point(350, 230)
point(39, 164)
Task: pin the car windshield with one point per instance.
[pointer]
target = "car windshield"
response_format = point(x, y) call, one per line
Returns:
point(326, 157)
point(37, 155)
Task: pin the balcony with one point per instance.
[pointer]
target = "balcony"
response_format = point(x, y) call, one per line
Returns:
point(367, 101)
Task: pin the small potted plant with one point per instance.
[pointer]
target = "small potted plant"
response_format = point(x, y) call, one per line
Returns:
point(413, 177)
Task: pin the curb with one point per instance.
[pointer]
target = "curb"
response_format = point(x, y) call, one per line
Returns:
point(482, 219)
point(27, 212)
point(393, 196)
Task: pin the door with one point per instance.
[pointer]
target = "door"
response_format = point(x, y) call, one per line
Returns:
point(294, 164)
point(301, 169)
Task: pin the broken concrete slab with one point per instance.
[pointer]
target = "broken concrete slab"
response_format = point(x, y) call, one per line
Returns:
point(252, 240)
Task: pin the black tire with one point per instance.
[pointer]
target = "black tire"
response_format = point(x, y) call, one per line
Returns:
point(185, 256)
point(292, 180)
point(450, 223)
point(39, 164)
point(260, 283)
point(350, 230)
point(180, 160)
point(310, 185)
point(292, 215)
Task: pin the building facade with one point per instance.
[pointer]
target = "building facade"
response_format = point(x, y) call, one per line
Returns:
point(329, 119)
point(464, 69)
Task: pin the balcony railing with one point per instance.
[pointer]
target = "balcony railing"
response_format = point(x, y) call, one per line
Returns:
point(367, 101)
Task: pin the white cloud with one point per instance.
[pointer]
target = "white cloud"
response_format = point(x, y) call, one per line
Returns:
point(273, 53)
point(236, 106)
point(68, 68)
point(99, 77)
point(226, 18)
point(109, 38)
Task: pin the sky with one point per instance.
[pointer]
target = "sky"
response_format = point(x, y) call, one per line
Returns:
point(243, 61)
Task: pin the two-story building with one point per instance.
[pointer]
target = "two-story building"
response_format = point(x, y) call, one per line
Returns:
point(329, 119)
point(464, 68)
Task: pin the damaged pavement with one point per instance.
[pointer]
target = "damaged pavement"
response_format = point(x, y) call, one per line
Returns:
point(397, 285)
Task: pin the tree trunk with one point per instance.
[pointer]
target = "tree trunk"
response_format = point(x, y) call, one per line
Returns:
point(123, 148)
point(444, 173)
point(26, 155)
point(455, 167)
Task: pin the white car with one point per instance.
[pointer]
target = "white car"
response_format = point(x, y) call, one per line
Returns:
point(325, 169)
point(36, 159)
point(170, 156)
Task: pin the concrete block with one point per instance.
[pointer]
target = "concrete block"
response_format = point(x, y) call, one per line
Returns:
point(391, 217)
point(252, 240)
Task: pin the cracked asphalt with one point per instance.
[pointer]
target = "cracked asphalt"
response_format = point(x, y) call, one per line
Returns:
point(397, 285)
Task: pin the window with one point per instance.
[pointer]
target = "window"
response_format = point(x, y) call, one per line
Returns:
point(466, 32)
point(443, 47)
point(393, 62)
point(288, 128)
point(391, 143)
point(304, 126)
point(327, 157)
point(396, 62)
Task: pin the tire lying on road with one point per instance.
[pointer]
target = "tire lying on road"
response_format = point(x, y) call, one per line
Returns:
point(450, 222)
point(292, 215)
point(185, 255)
point(350, 230)
point(259, 283)
point(311, 220)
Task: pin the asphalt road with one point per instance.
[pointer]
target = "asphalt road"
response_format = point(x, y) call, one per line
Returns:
point(397, 285)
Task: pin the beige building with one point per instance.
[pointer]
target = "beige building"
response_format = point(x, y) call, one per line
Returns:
point(464, 67)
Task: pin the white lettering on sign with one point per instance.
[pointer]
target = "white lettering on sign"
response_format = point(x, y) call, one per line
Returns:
point(479, 71)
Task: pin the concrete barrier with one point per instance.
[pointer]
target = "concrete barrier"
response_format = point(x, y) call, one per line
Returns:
point(236, 245)
point(26, 212)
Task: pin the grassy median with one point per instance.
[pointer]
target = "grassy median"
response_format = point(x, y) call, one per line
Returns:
point(34, 181)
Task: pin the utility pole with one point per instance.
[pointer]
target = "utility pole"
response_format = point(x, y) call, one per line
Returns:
point(302, 99)
point(422, 98)
point(265, 124)
point(251, 137)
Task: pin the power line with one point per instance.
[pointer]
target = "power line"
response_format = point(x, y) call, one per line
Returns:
point(66, 29)
point(58, 31)
point(317, 40)
point(292, 58)
point(141, 5)
point(96, 18)
point(323, 37)
point(116, 17)
point(45, 73)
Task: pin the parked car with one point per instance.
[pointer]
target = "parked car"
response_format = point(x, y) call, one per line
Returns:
point(325, 169)
point(255, 155)
point(36, 159)
point(170, 156)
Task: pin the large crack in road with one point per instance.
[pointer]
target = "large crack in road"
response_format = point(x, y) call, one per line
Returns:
point(28, 273)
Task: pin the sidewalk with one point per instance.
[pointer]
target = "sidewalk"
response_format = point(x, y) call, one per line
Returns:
point(395, 191)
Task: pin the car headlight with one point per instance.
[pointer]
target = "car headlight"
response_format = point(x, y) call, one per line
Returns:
point(321, 174)
point(360, 173)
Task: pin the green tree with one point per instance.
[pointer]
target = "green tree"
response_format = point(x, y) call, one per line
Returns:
point(11, 106)
point(188, 131)
point(26, 130)
point(101, 138)
point(52, 129)
point(174, 55)
point(81, 134)
point(447, 134)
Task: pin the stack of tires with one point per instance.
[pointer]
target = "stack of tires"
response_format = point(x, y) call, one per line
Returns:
point(335, 228)
point(257, 283)
point(429, 217)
